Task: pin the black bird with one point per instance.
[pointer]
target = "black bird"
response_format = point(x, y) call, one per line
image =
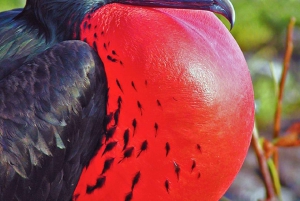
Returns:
point(53, 95)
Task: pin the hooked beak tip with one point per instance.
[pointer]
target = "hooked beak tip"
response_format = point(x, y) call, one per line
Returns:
point(225, 8)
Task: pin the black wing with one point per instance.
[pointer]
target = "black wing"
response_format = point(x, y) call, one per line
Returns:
point(51, 116)
point(20, 41)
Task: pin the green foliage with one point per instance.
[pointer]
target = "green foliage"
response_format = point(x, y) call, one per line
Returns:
point(10, 4)
point(265, 99)
point(260, 23)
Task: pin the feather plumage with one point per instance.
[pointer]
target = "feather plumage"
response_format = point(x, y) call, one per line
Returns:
point(52, 105)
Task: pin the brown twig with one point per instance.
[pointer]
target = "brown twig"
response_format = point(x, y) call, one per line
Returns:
point(286, 65)
point(262, 161)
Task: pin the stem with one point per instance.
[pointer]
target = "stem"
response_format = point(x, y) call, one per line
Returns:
point(286, 65)
point(275, 178)
point(263, 165)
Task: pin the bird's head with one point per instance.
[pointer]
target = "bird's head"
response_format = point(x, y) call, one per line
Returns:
point(55, 15)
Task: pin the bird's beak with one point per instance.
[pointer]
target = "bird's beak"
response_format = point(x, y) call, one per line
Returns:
point(223, 7)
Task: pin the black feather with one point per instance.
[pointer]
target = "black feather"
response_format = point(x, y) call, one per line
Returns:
point(107, 164)
point(135, 180)
point(99, 184)
point(125, 138)
point(109, 147)
point(127, 153)
point(144, 146)
point(50, 127)
point(47, 122)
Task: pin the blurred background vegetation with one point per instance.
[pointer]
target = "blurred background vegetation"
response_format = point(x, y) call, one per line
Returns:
point(260, 30)
point(10, 4)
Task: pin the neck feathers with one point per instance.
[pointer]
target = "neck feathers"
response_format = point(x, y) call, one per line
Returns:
point(58, 20)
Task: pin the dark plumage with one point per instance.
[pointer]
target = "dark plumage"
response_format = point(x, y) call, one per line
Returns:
point(52, 104)
point(53, 95)
point(50, 114)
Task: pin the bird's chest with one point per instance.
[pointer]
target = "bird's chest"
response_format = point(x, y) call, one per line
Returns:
point(166, 109)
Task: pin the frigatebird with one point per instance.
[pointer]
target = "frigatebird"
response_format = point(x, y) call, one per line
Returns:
point(67, 119)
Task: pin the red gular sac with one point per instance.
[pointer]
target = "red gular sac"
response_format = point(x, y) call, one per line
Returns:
point(180, 106)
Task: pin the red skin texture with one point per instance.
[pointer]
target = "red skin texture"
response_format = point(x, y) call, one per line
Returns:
point(188, 61)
